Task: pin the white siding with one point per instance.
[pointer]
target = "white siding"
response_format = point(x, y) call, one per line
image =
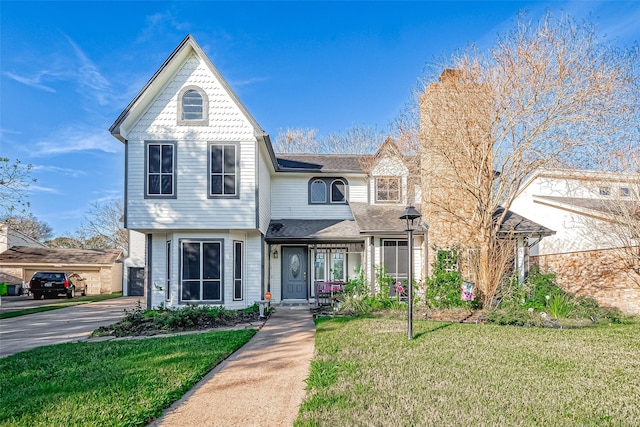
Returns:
point(251, 273)
point(264, 185)
point(135, 258)
point(574, 232)
point(191, 209)
point(290, 198)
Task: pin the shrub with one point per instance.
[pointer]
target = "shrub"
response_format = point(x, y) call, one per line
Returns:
point(443, 289)
point(521, 304)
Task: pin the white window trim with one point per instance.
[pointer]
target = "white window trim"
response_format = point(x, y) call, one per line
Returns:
point(375, 189)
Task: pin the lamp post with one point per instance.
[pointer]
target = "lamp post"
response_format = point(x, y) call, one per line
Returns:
point(409, 215)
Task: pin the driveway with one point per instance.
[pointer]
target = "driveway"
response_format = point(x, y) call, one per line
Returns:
point(58, 326)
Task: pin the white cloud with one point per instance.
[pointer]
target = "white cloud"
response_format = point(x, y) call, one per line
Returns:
point(58, 170)
point(89, 77)
point(77, 139)
point(34, 82)
point(41, 189)
point(249, 81)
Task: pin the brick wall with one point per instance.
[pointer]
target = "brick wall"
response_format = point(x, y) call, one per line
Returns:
point(597, 274)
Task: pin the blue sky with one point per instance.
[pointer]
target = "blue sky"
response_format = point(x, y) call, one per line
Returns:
point(67, 69)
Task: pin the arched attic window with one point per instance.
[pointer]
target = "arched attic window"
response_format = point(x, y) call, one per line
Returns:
point(193, 107)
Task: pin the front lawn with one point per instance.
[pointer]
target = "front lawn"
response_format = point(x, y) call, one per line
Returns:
point(124, 383)
point(366, 372)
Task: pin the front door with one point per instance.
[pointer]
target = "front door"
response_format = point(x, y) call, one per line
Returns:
point(294, 272)
point(136, 281)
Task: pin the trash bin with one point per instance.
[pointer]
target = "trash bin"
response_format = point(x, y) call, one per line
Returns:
point(14, 290)
point(3, 288)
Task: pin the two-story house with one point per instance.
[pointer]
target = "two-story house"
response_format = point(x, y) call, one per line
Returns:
point(224, 219)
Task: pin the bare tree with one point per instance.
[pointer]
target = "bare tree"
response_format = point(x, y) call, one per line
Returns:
point(297, 141)
point(29, 226)
point(358, 139)
point(103, 227)
point(14, 182)
point(548, 94)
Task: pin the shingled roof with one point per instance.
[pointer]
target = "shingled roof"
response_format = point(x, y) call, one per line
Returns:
point(321, 162)
point(379, 219)
point(617, 207)
point(519, 225)
point(27, 255)
point(308, 230)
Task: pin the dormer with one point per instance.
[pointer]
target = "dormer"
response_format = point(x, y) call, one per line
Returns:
point(390, 178)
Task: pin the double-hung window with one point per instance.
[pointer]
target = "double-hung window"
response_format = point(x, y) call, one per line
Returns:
point(160, 169)
point(223, 170)
point(201, 270)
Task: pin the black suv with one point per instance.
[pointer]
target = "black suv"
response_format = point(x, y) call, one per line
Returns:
point(54, 283)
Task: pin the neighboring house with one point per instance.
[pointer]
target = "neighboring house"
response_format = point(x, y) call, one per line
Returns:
point(100, 268)
point(225, 219)
point(8, 238)
point(594, 251)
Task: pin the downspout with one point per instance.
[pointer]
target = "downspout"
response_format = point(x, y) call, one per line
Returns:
point(425, 242)
point(372, 249)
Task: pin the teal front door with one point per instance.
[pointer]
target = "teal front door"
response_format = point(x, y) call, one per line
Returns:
point(294, 272)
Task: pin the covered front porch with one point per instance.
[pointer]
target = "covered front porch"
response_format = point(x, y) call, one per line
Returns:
point(309, 258)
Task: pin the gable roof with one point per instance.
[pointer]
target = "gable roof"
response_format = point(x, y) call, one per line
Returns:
point(158, 81)
point(28, 255)
point(162, 76)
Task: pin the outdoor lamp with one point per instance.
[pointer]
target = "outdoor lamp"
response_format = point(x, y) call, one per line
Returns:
point(275, 253)
point(409, 215)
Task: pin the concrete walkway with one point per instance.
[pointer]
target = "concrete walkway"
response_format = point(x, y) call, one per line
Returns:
point(262, 384)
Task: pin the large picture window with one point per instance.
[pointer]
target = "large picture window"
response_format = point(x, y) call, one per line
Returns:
point(160, 169)
point(388, 189)
point(201, 278)
point(223, 170)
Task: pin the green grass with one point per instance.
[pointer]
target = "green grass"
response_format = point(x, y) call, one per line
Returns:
point(366, 372)
point(62, 303)
point(116, 383)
